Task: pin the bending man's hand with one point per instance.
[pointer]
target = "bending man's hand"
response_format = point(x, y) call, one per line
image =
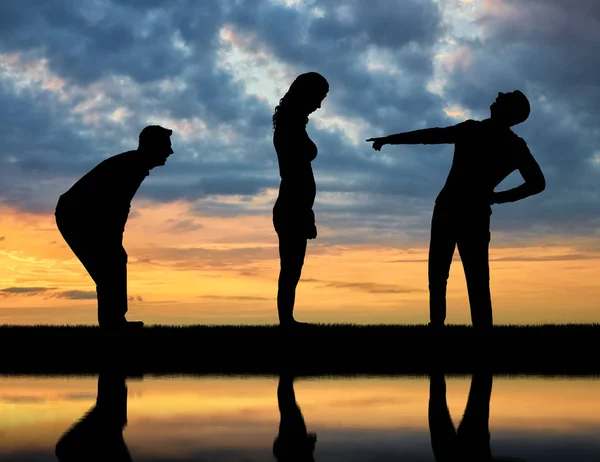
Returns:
point(377, 143)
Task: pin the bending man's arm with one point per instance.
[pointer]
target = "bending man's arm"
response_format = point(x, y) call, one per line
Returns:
point(535, 182)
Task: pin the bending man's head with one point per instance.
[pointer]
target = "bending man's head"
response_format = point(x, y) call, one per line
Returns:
point(155, 143)
point(510, 108)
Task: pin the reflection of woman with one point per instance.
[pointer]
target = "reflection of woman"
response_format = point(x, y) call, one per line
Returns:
point(471, 442)
point(293, 217)
point(293, 443)
point(98, 436)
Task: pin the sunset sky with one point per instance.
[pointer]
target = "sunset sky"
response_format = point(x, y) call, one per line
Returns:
point(79, 80)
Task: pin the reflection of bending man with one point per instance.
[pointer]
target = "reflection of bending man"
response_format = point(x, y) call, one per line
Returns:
point(98, 436)
point(293, 443)
point(471, 442)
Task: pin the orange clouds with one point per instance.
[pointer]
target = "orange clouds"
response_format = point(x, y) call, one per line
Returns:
point(460, 58)
point(186, 269)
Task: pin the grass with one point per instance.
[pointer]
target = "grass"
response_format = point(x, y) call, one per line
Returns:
point(324, 349)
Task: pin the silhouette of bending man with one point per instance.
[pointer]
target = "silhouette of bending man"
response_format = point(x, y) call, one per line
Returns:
point(486, 152)
point(293, 217)
point(91, 217)
point(471, 442)
point(293, 443)
point(98, 436)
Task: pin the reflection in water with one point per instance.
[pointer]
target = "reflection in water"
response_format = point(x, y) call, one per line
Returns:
point(471, 442)
point(293, 443)
point(98, 436)
point(225, 419)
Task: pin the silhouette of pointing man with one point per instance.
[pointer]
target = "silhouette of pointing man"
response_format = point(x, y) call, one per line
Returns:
point(486, 152)
point(91, 217)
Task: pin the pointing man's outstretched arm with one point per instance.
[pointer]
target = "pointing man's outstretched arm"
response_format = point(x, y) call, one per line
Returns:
point(436, 135)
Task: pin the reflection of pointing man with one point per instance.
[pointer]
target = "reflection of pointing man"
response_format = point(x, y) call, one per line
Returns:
point(91, 216)
point(485, 153)
point(293, 443)
point(98, 436)
point(471, 442)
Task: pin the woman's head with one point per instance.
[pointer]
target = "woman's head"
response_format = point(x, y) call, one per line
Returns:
point(303, 97)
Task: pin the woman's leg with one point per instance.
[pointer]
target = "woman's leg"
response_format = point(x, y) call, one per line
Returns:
point(292, 250)
point(293, 441)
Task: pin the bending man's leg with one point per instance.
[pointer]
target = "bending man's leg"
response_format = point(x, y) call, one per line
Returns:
point(441, 249)
point(98, 436)
point(105, 259)
point(292, 250)
point(111, 286)
point(473, 246)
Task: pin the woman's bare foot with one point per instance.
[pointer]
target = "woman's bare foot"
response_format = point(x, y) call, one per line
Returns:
point(293, 324)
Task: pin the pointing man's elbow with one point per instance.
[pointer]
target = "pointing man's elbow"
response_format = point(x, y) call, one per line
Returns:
point(539, 185)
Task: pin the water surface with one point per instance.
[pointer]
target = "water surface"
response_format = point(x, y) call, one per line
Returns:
point(238, 419)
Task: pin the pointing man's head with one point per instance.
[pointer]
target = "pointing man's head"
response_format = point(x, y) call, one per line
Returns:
point(510, 108)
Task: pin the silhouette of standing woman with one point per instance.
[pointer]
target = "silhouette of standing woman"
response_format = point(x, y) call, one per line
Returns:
point(485, 153)
point(293, 217)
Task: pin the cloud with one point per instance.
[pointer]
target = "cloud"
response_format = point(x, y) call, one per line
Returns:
point(369, 287)
point(519, 258)
point(207, 258)
point(420, 260)
point(22, 399)
point(76, 397)
point(76, 295)
point(26, 291)
point(66, 294)
point(92, 88)
point(183, 226)
point(565, 257)
point(242, 298)
point(78, 82)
